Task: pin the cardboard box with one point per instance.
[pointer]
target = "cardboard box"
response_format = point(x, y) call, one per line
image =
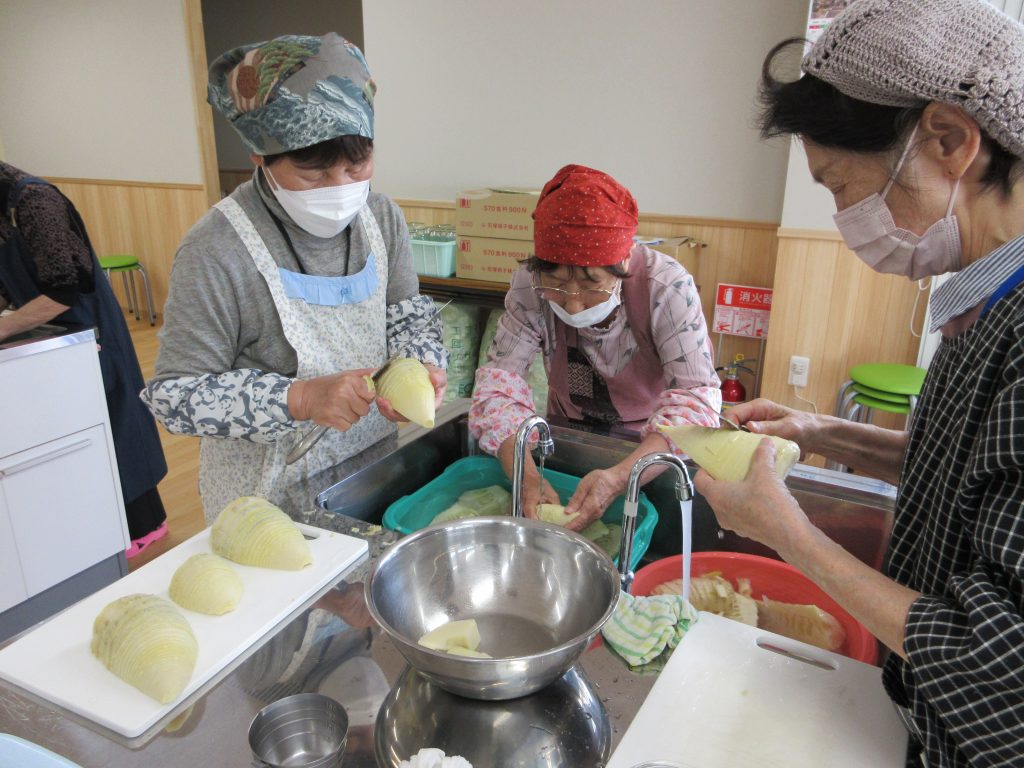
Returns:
point(685, 250)
point(496, 212)
point(490, 258)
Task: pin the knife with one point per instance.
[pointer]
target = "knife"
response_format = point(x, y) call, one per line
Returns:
point(311, 438)
point(721, 416)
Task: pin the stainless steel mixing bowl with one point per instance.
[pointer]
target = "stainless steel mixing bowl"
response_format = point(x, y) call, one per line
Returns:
point(538, 592)
point(564, 725)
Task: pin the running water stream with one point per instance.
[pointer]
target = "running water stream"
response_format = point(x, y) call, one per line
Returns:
point(686, 510)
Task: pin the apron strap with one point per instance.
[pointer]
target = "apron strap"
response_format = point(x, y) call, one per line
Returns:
point(1004, 288)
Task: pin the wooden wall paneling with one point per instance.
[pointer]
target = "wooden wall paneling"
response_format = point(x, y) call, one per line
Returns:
point(148, 220)
point(427, 212)
point(838, 312)
point(783, 331)
point(737, 252)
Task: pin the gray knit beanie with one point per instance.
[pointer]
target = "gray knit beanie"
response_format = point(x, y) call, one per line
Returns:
point(904, 53)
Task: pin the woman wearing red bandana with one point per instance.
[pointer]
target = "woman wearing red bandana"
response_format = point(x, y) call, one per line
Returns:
point(619, 326)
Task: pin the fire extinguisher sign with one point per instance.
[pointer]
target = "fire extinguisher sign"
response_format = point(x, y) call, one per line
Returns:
point(742, 310)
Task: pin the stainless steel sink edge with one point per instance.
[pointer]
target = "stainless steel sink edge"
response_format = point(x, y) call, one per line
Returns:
point(855, 511)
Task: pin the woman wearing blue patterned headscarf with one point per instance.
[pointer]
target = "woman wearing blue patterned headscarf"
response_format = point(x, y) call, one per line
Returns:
point(293, 287)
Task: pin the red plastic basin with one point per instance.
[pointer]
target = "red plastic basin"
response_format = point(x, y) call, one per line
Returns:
point(770, 578)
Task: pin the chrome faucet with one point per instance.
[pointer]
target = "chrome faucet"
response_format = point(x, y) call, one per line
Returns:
point(684, 492)
point(547, 447)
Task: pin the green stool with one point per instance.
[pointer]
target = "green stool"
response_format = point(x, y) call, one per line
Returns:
point(128, 265)
point(864, 403)
point(897, 378)
point(889, 387)
point(889, 382)
point(878, 394)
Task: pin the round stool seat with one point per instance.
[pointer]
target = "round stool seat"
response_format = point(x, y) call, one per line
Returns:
point(127, 265)
point(119, 261)
point(881, 405)
point(894, 378)
point(878, 394)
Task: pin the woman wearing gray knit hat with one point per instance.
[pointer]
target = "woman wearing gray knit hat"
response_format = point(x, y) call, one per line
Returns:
point(292, 288)
point(911, 113)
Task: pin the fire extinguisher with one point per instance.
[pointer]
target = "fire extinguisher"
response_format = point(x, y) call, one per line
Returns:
point(733, 391)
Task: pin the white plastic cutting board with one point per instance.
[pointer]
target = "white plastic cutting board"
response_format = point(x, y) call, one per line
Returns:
point(723, 701)
point(19, 753)
point(54, 662)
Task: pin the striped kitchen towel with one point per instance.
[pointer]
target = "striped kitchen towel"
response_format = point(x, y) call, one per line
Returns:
point(641, 628)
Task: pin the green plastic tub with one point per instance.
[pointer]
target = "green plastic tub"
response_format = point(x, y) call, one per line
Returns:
point(415, 511)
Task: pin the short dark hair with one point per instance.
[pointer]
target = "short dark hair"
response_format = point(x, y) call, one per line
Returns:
point(352, 149)
point(535, 264)
point(813, 109)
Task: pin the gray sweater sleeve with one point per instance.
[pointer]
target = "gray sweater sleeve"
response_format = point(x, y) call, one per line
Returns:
point(206, 383)
point(225, 366)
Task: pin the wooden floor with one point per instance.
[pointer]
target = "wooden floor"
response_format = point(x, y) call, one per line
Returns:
point(180, 489)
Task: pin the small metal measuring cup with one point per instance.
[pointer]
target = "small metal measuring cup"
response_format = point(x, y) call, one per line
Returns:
point(307, 730)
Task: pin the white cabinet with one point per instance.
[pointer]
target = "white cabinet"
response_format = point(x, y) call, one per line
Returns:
point(12, 581)
point(62, 525)
point(57, 495)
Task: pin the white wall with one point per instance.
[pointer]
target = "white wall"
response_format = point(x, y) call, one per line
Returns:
point(658, 93)
point(807, 205)
point(98, 89)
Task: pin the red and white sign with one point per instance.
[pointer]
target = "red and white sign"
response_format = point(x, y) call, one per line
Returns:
point(742, 310)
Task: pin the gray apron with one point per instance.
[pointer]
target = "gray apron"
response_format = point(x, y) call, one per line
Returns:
point(326, 339)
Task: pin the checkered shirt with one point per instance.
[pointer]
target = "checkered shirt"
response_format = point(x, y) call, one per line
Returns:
point(958, 538)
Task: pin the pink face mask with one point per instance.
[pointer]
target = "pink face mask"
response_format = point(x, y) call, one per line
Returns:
point(869, 231)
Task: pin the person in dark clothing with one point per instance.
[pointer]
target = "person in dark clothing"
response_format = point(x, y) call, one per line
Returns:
point(49, 273)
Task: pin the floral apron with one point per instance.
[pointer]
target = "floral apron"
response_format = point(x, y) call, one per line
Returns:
point(326, 339)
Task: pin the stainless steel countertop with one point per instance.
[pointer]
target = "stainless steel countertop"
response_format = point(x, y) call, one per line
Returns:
point(42, 340)
point(591, 706)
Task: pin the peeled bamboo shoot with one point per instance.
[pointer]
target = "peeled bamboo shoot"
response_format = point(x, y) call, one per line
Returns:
point(462, 634)
point(252, 531)
point(206, 584)
point(726, 453)
point(806, 623)
point(491, 500)
point(144, 640)
point(405, 383)
point(555, 513)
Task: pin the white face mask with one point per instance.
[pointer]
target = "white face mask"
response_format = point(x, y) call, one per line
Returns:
point(591, 315)
point(325, 211)
point(869, 231)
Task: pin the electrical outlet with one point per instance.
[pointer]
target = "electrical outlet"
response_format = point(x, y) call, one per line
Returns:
point(798, 368)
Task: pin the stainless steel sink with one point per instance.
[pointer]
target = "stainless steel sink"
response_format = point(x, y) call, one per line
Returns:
point(855, 512)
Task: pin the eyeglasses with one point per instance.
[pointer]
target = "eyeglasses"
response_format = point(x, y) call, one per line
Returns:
point(587, 295)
